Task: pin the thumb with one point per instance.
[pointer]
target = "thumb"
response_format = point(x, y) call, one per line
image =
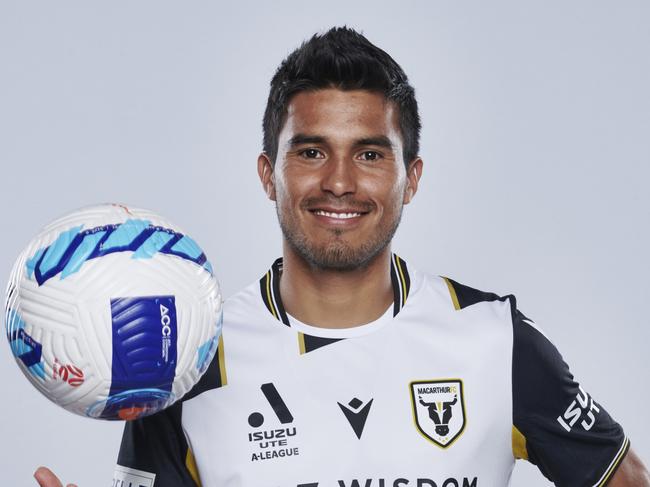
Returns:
point(46, 478)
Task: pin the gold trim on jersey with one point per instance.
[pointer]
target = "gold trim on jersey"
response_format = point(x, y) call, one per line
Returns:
point(401, 281)
point(452, 292)
point(222, 362)
point(401, 276)
point(270, 288)
point(269, 298)
point(190, 464)
point(301, 343)
point(615, 463)
point(519, 449)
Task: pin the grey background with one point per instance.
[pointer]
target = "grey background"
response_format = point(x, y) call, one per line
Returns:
point(536, 143)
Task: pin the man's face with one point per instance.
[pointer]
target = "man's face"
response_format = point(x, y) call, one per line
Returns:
point(339, 180)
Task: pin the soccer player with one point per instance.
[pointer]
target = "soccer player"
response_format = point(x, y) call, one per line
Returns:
point(343, 366)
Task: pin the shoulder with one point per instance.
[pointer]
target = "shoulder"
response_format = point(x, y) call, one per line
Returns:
point(243, 302)
point(464, 296)
point(465, 299)
point(527, 335)
point(245, 318)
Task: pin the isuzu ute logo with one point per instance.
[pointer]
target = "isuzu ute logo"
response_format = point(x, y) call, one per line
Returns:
point(273, 443)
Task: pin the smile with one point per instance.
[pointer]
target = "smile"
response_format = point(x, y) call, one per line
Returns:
point(340, 216)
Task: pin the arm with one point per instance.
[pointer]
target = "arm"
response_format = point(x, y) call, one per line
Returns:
point(155, 448)
point(631, 473)
point(557, 425)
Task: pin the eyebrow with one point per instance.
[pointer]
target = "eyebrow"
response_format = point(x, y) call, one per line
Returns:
point(378, 140)
point(299, 139)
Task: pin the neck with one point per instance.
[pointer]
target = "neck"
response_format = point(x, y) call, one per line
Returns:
point(335, 299)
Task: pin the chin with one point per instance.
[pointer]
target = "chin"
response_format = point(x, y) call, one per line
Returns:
point(338, 256)
point(335, 250)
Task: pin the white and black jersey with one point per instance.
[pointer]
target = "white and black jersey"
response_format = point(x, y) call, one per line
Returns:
point(446, 389)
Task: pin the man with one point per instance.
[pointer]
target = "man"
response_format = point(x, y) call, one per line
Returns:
point(331, 365)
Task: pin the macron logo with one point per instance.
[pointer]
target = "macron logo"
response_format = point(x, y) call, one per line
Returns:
point(356, 413)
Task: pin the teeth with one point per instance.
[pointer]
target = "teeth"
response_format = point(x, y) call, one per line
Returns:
point(342, 216)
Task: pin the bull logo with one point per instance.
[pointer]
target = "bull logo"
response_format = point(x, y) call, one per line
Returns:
point(438, 409)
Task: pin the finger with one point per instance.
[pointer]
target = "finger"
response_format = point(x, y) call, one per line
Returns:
point(46, 478)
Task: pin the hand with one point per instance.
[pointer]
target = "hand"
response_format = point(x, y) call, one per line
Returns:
point(46, 478)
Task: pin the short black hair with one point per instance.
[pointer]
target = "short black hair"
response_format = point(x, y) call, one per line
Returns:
point(341, 58)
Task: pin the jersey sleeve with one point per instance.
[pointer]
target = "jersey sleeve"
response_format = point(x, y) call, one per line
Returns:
point(556, 424)
point(155, 453)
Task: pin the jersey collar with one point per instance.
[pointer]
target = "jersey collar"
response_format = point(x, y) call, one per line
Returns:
point(270, 288)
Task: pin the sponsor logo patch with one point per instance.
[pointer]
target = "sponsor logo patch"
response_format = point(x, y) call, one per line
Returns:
point(583, 406)
point(130, 477)
point(272, 443)
point(439, 409)
point(403, 482)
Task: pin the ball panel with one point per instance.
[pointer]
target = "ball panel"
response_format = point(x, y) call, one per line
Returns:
point(84, 312)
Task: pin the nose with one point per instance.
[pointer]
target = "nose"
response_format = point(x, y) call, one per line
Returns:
point(339, 176)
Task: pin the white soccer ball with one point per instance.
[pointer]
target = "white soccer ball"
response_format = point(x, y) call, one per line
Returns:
point(113, 312)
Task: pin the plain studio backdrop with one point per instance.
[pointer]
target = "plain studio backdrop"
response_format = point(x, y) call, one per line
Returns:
point(536, 142)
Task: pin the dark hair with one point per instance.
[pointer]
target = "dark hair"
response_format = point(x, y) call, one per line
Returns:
point(341, 58)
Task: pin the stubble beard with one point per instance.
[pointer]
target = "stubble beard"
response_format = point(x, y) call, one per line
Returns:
point(337, 254)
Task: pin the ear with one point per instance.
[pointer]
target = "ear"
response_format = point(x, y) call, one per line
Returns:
point(413, 174)
point(265, 172)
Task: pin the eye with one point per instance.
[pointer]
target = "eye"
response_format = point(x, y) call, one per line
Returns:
point(370, 155)
point(312, 154)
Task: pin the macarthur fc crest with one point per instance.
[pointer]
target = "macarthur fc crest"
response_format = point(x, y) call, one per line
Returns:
point(439, 409)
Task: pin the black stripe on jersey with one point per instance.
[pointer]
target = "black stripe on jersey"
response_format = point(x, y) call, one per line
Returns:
point(157, 444)
point(405, 278)
point(214, 377)
point(276, 271)
point(397, 290)
point(562, 430)
point(309, 343)
point(265, 291)
point(401, 281)
point(270, 293)
point(463, 296)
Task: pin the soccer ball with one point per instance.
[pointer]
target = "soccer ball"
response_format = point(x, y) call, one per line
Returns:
point(112, 312)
